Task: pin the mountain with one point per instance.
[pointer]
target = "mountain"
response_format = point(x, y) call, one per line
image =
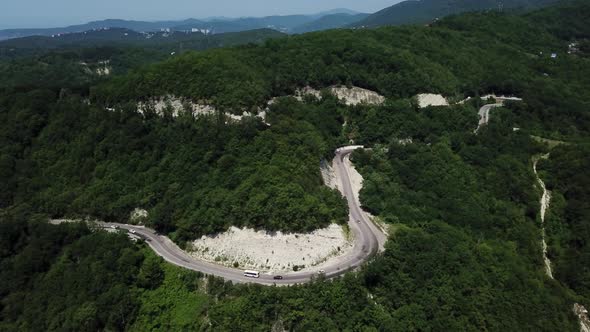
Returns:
point(284, 23)
point(139, 26)
point(174, 40)
point(465, 250)
point(338, 11)
point(424, 11)
point(279, 23)
point(332, 21)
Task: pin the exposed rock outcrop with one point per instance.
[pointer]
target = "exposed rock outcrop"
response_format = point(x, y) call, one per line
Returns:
point(179, 106)
point(350, 96)
point(430, 99)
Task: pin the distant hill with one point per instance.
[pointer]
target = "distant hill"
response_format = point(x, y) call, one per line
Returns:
point(424, 11)
point(211, 25)
point(138, 26)
point(117, 37)
point(338, 11)
point(332, 21)
point(279, 23)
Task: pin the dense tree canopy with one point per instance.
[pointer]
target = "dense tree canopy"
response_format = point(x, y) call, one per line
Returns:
point(566, 174)
point(465, 237)
point(195, 176)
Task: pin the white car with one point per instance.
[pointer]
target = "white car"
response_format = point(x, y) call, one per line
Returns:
point(132, 231)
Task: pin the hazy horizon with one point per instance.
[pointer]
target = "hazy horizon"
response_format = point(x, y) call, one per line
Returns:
point(42, 14)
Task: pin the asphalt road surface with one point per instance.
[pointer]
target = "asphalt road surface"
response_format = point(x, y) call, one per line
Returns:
point(484, 114)
point(368, 239)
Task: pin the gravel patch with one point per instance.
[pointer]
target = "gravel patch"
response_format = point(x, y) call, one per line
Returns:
point(272, 251)
point(429, 99)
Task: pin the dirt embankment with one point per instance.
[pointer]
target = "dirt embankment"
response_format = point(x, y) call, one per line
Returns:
point(277, 251)
point(272, 251)
point(350, 96)
point(429, 99)
point(582, 314)
point(545, 201)
point(178, 106)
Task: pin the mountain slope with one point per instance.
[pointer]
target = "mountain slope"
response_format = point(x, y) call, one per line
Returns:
point(338, 11)
point(465, 251)
point(215, 25)
point(139, 26)
point(280, 23)
point(330, 22)
point(424, 11)
point(125, 37)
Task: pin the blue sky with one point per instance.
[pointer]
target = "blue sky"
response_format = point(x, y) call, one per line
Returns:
point(54, 13)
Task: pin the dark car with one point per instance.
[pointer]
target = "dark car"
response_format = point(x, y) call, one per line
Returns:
point(278, 277)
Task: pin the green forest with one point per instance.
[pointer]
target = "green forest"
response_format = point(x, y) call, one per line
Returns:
point(196, 176)
point(464, 251)
point(71, 62)
point(566, 176)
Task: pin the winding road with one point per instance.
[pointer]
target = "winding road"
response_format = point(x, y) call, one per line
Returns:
point(368, 240)
point(484, 112)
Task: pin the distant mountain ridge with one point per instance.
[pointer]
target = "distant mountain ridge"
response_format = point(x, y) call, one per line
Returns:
point(170, 42)
point(424, 11)
point(331, 21)
point(213, 25)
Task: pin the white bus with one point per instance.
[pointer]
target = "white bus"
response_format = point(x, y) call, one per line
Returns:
point(252, 274)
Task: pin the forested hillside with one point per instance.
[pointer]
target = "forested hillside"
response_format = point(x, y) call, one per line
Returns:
point(77, 61)
point(329, 22)
point(464, 251)
point(427, 11)
point(164, 41)
point(196, 176)
point(566, 171)
point(215, 25)
point(462, 56)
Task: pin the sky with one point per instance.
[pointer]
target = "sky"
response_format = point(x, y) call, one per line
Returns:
point(58, 13)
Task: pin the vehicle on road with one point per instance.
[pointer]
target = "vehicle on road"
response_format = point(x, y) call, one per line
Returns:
point(252, 274)
point(321, 272)
point(114, 227)
point(132, 231)
point(358, 221)
point(278, 277)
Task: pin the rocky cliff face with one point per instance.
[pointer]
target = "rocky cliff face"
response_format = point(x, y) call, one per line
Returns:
point(355, 96)
point(350, 96)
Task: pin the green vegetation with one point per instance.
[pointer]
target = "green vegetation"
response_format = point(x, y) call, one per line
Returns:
point(467, 55)
point(466, 251)
point(69, 278)
point(440, 278)
point(285, 23)
point(195, 176)
point(467, 214)
point(71, 61)
point(333, 21)
point(427, 11)
point(177, 303)
point(568, 230)
point(65, 278)
point(165, 42)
